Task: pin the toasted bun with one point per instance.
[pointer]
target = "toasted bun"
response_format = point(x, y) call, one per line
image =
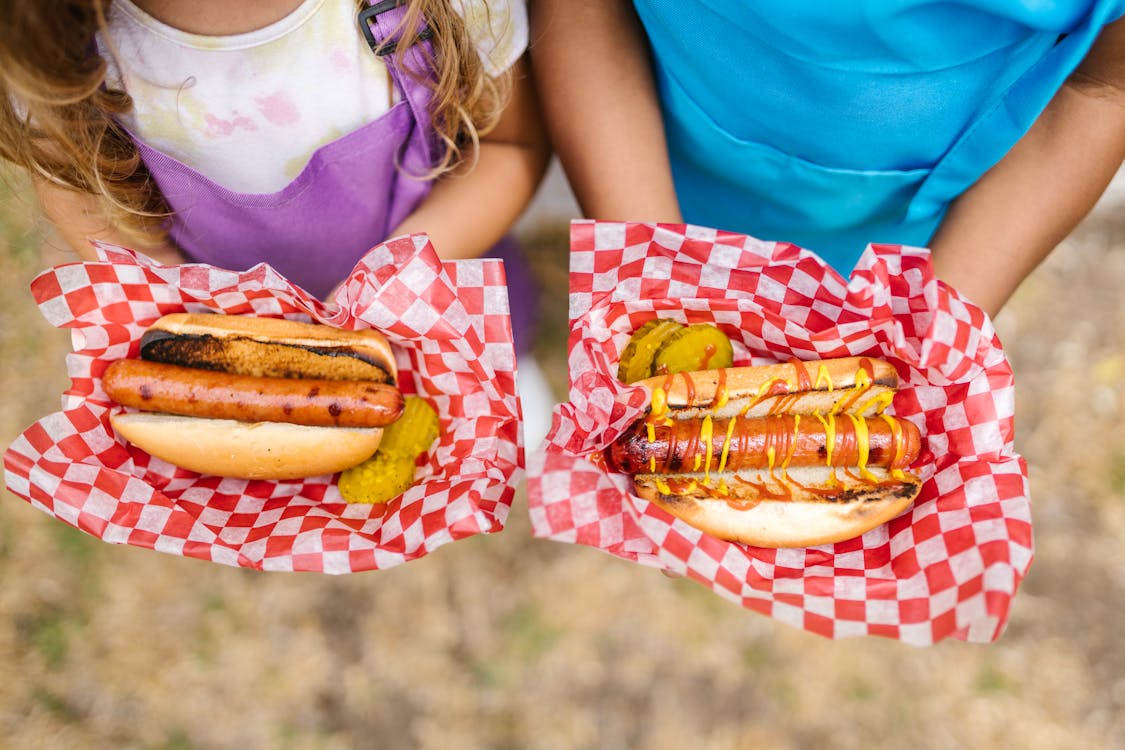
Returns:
point(247, 450)
point(766, 511)
point(860, 385)
point(269, 347)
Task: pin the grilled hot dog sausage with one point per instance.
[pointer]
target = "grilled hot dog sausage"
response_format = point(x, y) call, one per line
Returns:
point(155, 386)
point(781, 441)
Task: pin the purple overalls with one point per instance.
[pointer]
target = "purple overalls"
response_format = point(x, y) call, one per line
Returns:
point(350, 195)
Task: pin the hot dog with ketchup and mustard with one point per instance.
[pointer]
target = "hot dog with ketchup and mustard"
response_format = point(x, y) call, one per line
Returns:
point(792, 454)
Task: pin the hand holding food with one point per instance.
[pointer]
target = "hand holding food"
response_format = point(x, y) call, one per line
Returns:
point(256, 398)
point(785, 455)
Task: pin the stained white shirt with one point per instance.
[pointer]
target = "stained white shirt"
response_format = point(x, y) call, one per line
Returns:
point(249, 110)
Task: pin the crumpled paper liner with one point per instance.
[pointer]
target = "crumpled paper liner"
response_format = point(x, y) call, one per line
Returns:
point(948, 567)
point(449, 325)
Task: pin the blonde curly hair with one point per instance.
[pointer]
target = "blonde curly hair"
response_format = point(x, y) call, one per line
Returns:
point(58, 119)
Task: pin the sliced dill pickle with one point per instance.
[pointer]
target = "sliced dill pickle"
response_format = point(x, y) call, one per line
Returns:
point(696, 347)
point(636, 359)
point(390, 472)
point(413, 432)
point(379, 479)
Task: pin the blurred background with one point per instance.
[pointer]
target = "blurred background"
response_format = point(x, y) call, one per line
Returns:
point(510, 642)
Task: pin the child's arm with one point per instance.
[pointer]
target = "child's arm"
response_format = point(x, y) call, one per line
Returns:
point(468, 212)
point(79, 218)
point(595, 82)
point(999, 230)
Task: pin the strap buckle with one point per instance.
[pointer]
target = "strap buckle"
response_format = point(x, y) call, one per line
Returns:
point(367, 17)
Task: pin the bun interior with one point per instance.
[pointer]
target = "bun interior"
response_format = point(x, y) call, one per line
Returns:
point(247, 450)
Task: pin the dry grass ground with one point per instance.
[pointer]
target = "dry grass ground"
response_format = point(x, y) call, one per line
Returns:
point(508, 642)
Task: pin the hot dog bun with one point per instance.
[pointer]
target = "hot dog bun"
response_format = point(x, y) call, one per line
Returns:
point(247, 450)
point(800, 515)
point(784, 455)
point(269, 347)
point(255, 398)
point(859, 385)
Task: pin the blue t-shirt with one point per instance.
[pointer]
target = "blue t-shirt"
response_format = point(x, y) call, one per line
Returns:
point(833, 125)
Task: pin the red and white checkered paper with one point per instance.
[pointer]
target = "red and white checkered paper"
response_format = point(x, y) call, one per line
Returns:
point(948, 567)
point(449, 325)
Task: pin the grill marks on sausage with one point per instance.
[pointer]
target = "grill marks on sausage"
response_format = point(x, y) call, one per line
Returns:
point(155, 386)
point(764, 443)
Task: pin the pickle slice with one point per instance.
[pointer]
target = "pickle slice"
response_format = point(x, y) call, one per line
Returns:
point(379, 479)
point(636, 360)
point(390, 472)
point(696, 347)
point(413, 432)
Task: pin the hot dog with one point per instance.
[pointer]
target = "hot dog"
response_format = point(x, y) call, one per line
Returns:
point(255, 398)
point(787, 455)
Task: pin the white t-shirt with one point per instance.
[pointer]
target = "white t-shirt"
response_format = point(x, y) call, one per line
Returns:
point(248, 110)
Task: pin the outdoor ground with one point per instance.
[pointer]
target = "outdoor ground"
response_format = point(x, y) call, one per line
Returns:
point(509, 642)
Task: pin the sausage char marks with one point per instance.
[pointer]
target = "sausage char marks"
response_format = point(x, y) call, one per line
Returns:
point(673, 445)
point(187, 391)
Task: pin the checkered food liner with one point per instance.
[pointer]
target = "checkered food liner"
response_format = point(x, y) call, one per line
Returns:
point(947, 567)
point(449, 326)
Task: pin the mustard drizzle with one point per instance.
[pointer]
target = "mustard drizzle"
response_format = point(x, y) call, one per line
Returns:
point(863, 382)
